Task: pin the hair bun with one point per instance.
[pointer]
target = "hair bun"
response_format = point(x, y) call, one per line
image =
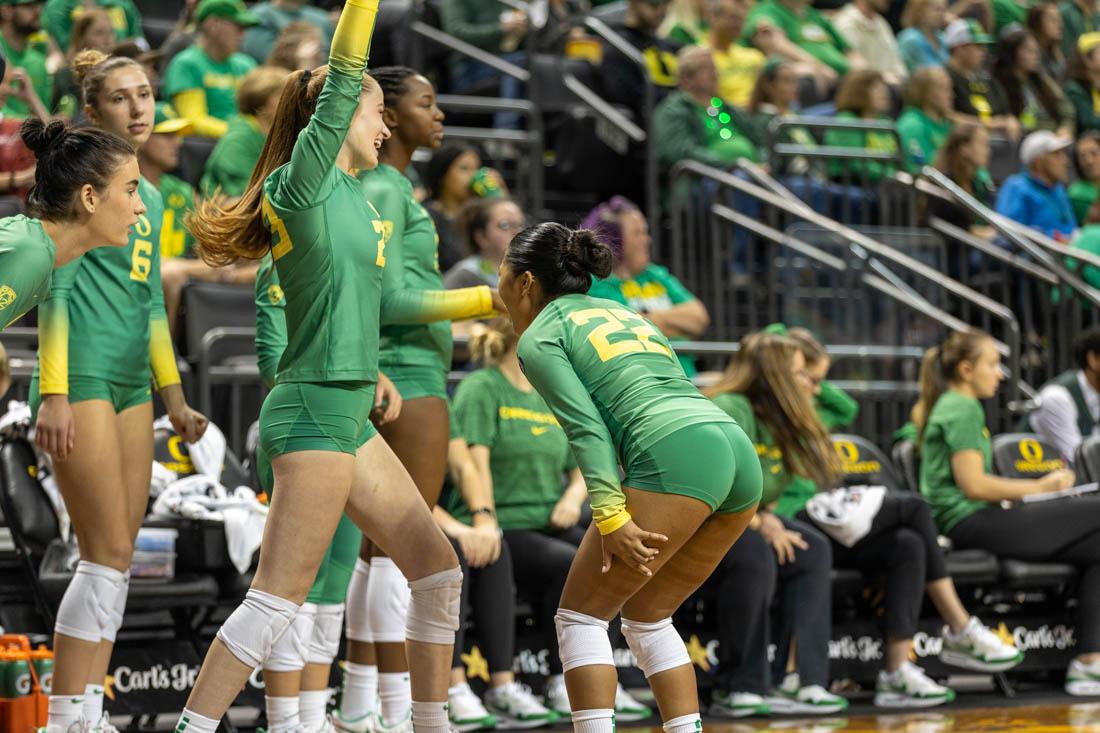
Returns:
point(42, 137)
point(587, 255)
point(84, 62)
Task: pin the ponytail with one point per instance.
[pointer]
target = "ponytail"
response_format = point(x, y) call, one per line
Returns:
point(489, 342)
point(939, 368)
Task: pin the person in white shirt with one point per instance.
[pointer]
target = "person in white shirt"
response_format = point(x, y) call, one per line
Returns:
point(1069, 404)
point(866, 30)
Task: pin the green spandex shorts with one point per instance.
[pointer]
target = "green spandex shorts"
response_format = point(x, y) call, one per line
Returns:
point(715, 463)
point(121, 396)
point(299, 416)
point(414, 382)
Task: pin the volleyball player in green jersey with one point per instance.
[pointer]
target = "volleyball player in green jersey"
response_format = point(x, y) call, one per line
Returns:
point(326, 242)
point(86, 196)
point(692, 476)
point(415, 351)
point(103, 339)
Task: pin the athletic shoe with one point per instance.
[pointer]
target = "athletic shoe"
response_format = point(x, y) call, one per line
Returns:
point(369, 723)
point(103, 726)
point(466, 711)
point(515, 707)
point(557, 697)
point(910, 687)
point(627, 709)
point(405, 726)
point(979, 649)
point(794, 699)
point(326, 727)
point(737, 705)
point(1083, 679)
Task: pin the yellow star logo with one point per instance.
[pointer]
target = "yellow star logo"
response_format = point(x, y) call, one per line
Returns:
point(109, 687)
point(1004, 634)
point(477, 666)
point(698, 653)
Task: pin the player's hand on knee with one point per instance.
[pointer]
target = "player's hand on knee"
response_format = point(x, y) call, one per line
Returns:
point(55, 431)
point(632, 545)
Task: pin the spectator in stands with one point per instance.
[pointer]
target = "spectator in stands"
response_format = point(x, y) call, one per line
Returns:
point(182, 36)
point(964, 158)
point(686, 22)
point(862, 95)
point(966, 498)
point(761, 391)
point(694, 123)
point(1069, 404)
point(1084, 192)
point(1036, 197)
point(275, 15)
point(563, 25)
point(92, 30)
point(19, 20)
point(1009, 12)
point(738, 66)
point(925, 122)
point(160, 154)
point(538, 493)
point(1045, 23)
point(638, 282)
point(1087, 241)
point(815, 40)
point(1035, 99)
point(230, 164)
point(863, 26)
point(17, 162)
point(623, 82)
point(1079, 17)
point(453, 177)
point(299, 46)
point(487, 225)
point(922, 42)
point(60, 16)
point(977, 97)
point(201, 81)
point(775, 95)
point(1083, 87)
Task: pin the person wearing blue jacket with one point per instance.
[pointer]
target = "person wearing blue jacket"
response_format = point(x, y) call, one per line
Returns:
point(1036, 196)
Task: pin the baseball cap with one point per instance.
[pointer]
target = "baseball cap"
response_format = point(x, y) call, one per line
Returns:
point(966, 31)
point(1087, 42)
point(1040, 143)
point(167, 122)
point(233, 10)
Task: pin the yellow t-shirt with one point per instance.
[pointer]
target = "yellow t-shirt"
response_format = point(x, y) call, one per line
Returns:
point(738, 68)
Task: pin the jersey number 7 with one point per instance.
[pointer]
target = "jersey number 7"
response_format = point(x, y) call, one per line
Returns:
point(615, 321)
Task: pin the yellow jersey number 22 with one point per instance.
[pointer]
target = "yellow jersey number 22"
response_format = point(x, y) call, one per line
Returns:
point(619, 321)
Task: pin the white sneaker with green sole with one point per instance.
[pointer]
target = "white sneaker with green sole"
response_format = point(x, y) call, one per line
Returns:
point(976, 647)
point(515, 707)
point(910, 687)
point(466, 711)
point(1083, 679)
point(737, 705)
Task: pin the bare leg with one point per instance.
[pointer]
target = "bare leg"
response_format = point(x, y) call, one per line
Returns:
point(947, 602)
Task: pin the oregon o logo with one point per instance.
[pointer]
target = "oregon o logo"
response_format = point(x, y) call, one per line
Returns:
point(847, 450)
point(849, 456)
point(1033, 459)
point(7, 296)
point(275, 294)
point(1031, 451)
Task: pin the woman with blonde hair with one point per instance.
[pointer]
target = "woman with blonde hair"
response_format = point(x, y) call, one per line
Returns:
point(685, 23)
point(922, 42)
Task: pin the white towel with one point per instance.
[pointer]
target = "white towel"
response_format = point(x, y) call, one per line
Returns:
point(207, 455)
point(846, 514)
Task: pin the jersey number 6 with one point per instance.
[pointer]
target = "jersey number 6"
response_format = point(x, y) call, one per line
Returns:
point(615, 321)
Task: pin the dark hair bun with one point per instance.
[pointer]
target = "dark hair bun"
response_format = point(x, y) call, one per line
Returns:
point(41, 137)
point(586, 254)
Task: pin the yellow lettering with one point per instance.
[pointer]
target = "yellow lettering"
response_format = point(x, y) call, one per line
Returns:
point(522, 413)
point(280, 238)
point(172, 240)
point(141, 262)
point(614, 323)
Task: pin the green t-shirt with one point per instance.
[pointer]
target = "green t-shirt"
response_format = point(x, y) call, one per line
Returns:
point(32, 60)
point(193, 69)
point(1088, 240)
point(812, 32)
point(1082, 194)
point(614, 384)
point(921, 137)
point(776, 477)
point(270, 321)
point(59, 16)
point(179, 199)
point(956, 423)
point(26, 263)
point(528, 451)
point(230, 164)
point(106, 309)
point(653, 289)
point(1075, 24)
point(1007, 12)
point(869, 171)
point(260, 38)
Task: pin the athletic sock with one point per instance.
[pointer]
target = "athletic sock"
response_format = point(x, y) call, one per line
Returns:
point(282, 713)
point(312, 703)
point(194, 723)
point(395, 696)
point(597, 720)
point(360, 695)
point(64, 710)
point(684, 724)
point(430, 717)
point(93, 703)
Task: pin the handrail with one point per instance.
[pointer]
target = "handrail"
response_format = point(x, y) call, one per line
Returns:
point(603, 108)
point(623, 46)
point(1058, 249)
point(468, 49)
point(988, 248)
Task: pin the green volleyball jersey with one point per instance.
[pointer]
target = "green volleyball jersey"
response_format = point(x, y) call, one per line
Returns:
point(416, 309)
point(179, 198)
point(776, 476)
point(104, 317)
point(528, 451)
point(615, 385)
point(26, 263)
point(270, 321)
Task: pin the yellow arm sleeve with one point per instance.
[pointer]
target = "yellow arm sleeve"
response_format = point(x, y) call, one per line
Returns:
point(191, 105)
point(162, 357)
point(351, 41)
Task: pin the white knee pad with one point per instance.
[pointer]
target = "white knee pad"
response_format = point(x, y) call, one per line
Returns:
point(387, 601)
point(114, 623)
point(89, 603)
point(250, 631)
point(358, 617)
point(656, 646)
point(289, 652)
point(434, 608)
point(582, 640)
point(324, 645)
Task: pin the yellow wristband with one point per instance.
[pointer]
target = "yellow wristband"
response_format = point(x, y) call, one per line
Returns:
point(614, 522)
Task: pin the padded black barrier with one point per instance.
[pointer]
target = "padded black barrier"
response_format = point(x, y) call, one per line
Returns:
point(907, 461)
point(1024, 455)
point(865, 464)
point(1087, 460)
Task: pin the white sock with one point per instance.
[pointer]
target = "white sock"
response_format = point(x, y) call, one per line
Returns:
point(430, 717)
point(312, 704)
point(684, 724)
point(194, 723)
point(598, 720)
point(93, 703)
point(282, 713)
point(360, 695)
point(64, 710)
point(395, 696)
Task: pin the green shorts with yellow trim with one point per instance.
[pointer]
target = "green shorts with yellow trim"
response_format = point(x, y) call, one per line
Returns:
point(414, 382)
point(715, 463)
point(121, 396)
point(300, 416)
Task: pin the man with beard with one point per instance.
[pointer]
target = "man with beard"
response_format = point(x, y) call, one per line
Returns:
point(19, 20)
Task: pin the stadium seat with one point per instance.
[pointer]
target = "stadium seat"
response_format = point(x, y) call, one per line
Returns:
point(864, 463)
point(193, 155)
point(1024, 455)
point(1087, 460)
point(907, 460)
point(548, 90)
point(1017, 574)
point(170, 451)
point(206, 306)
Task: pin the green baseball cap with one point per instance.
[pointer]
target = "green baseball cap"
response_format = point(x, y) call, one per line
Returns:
point(966, 31)
point(233, 10)
point(167, 122)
